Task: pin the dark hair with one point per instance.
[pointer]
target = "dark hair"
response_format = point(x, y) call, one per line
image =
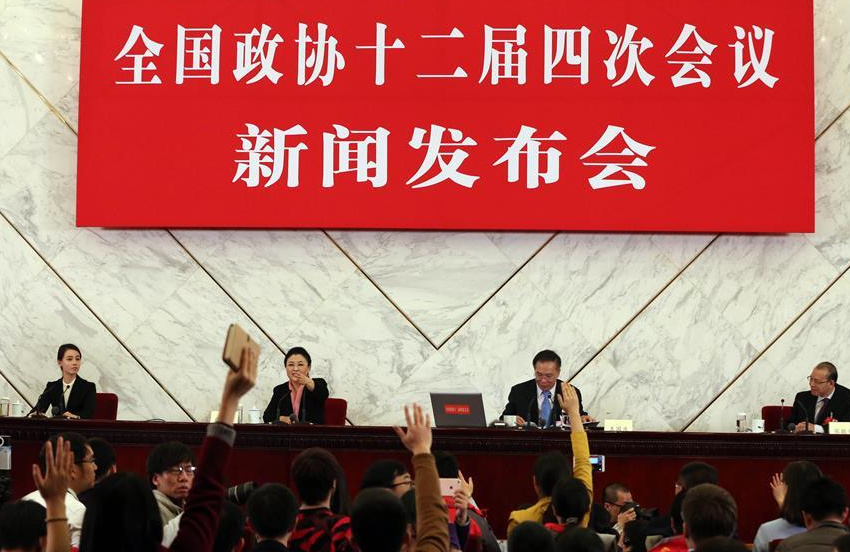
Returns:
point(634, 534)
point(548, 469)
point(314, 472)
point(21, 524)
point(676, 512)
point(547, 355)
point(697, 473)
point(823, 498)
point(341, 500)
point(530, 536)
point(104, 456)
point(297, 351)
point(78, 447)
point(167, 455)
point(272, 510)
point(447, 465)
point(709, 511)
point(570, 500)
point(408, 500)
point(64, 348)
point(231, 524)
point(797, 476)
point(382, 473)
point(121, 516)
point(579, 539)
point(721, 544)
point(831, 370)
point(609, 495)
point(842, 543)
point(378, 521)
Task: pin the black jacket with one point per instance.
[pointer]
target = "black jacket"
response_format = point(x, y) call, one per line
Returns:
point(80, 402)
point(805, 402)
point(522, 401)
point(312, 408)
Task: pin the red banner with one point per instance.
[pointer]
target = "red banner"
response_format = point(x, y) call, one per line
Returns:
point(633, 115)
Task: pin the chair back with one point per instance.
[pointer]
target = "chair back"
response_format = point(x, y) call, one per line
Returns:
point(335, 410)
point(105, 406)
point(772, 414)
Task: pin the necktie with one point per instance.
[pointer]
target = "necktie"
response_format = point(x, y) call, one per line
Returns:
point(546, 408)
point(823, 412)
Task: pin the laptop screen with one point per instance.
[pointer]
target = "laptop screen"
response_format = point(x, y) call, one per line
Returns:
point(458, 410)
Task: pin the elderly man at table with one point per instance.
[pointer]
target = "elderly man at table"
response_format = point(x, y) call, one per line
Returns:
point(825, 400)
point(535, 400)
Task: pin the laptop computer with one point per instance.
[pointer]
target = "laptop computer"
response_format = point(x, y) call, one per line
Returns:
point(458, 410)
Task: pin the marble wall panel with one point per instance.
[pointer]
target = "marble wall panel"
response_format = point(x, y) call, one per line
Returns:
point(832, 61)
point(20, 108)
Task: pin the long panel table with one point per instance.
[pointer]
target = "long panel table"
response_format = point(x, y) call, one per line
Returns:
point(499, 460)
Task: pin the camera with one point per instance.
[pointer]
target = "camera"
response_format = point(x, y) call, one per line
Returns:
point(238, 494)
point(640, 513)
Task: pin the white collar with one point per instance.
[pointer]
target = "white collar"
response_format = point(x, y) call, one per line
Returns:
point(541, 391)
point(73, 381)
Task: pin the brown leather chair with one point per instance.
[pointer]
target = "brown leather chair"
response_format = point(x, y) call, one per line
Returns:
point(772, 414)
point(105, 406)
point(335, 410)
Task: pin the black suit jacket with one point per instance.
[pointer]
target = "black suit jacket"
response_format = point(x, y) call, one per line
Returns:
point(80, 402)
point(312, 407)
point(522, 401)
point(805, 402)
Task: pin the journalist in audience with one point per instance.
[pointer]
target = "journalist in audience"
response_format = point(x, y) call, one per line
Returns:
point(551, 467)
point(633, 536)
point(824, 507)
point(578, 539)
point(301, 398)
point(675, 543)
point(122, 513)
point(696, 473)
point(316, 474)
point(458, 534)
point(530, 536)
point(271, 513)
point(825, 400)
point(378, 519)
point(708, 511)
point(570, 503)
point(610, 517)
point(81, 478)
point(231, 526)
point(787, 489)
point(171, 471)
point(70, 396)
point(104, 457)
point(387, 474)
point(842, 544)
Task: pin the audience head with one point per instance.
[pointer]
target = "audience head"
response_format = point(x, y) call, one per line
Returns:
point(634, 535)
point(708, 511)
point(614, 497)
point(547, 368)
point(824, 499)
point(231, 525)
point(842, 544)
point(447, 466)
point(548, 469)
point(22, 526)
point(797, 476)
point(676, 512)
point(85, 464)
point(378, 521)
point(315, 472)
point(388, 474)
point(341, 500)
point(721, 544)
point(69, 358)
point(121, 515)
point(530, 536)
point(408, 501)
point(570, 500)
point(696, 473)
point(104, 456)
point(297, 361)
point(171, 469)
point(578, 539)
point(272, 510)
point(823, 379)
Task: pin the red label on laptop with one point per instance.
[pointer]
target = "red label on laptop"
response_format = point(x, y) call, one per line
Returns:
point(457, 409)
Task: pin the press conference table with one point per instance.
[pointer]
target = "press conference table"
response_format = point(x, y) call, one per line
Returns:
point(499, 460)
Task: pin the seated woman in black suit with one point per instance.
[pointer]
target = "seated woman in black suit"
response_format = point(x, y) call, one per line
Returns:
point(301, 399)
point(70, 396)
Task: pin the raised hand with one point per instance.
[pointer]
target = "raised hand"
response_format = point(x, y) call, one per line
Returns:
point(462, 505)
point(417, 438)
point(467, 484)
point(778, 488)
point(53, 485)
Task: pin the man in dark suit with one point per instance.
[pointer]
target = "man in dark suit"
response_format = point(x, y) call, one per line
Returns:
point(824, 400)
point(536, 400)
point(70, 396)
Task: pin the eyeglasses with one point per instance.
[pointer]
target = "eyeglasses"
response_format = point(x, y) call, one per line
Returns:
point(177, 470)
point(408, 482)
point(89, 461)
point(816, 382)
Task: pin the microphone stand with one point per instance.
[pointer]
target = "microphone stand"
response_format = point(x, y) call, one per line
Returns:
point(782, 429)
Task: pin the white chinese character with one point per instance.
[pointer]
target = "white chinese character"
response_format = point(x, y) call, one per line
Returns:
point(251, 56)
point(449, 161)
point(565, 49)
point(323, 57)
point(702, 48)
point(757, 62)
point(266, 156)
point(203, 52)
point(623, 46)
point(459, 72)
point(380, 48)
point(354, 155)
point(151, 49)
point(633, 149)
point(523, 144)
point(505, 63)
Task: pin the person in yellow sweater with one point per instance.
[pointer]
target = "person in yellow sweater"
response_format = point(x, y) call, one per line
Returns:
point(549, 468)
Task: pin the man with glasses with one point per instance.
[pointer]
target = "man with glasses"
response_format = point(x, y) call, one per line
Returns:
point(82, 479)
point(536, 400)
point(171, 470)
point(825, 401)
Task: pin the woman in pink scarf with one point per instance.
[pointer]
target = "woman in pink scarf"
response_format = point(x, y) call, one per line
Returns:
point(302, 398)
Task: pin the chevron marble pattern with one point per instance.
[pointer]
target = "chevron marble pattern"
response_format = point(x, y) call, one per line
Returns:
point(677, 332)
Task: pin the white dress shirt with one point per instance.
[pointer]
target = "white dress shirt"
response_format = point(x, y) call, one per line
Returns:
point(74, 509)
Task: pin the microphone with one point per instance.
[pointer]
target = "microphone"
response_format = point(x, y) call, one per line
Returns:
point(277, 410)
point(528, 410)
point(805, 412)
point(782, 428)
